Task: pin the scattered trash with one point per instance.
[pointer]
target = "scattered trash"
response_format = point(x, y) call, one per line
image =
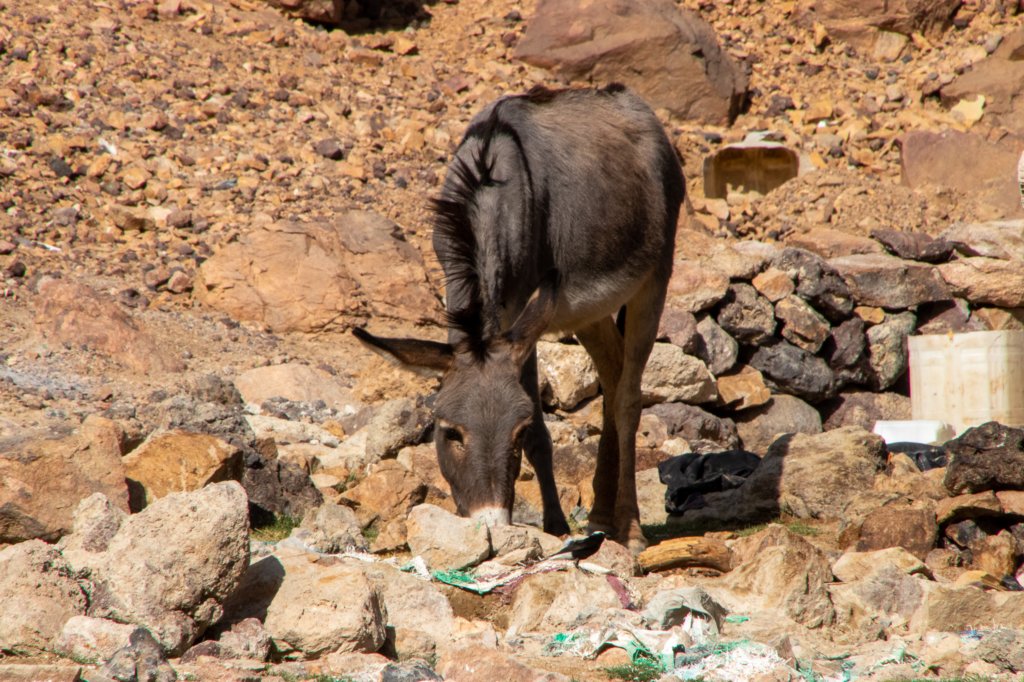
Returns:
point(756, 164)
point(914, 431)
point(690, 476)
point(742, 660)
point(108, 147)
point(967, 379)
point(737, 619)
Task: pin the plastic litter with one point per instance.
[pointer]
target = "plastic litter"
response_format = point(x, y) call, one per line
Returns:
point(914, 431)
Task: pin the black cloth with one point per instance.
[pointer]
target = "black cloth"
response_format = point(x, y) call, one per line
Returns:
point(925, 456)
point(690, 476)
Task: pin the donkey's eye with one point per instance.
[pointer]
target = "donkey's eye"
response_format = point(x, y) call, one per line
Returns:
point(452, 435)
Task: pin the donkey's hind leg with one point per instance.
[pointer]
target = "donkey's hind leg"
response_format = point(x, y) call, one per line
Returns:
point(604, 344)
point(642, 314)
point(538, 448)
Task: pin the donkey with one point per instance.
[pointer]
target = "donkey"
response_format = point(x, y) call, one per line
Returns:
point(558, 213)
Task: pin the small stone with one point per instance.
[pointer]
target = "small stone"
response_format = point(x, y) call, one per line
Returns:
point(330, 149)
point(179, 282)
point(135, 177)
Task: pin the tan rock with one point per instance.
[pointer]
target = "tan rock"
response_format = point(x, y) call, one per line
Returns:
point(179, 461)
point(446, 541)
point(389, 492)
point(781, 570)
point(314, 277)
point(46, 475)
point(322, 608)
point(774, 284)
point(967, 506)
point(296, 382)
point(672, 375)
point(567, 374)
point(695, 287)
point(39, 593)
point(551, 602)
point(744, 389)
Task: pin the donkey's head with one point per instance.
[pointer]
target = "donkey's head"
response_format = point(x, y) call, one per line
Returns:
point(482, 410)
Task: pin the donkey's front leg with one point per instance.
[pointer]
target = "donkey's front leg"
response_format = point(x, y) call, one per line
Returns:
point(538, 449)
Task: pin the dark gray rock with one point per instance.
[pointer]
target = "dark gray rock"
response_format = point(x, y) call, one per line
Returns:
point(1003, 648)
point(715, 346)
point(986, 457)
point(141, 661)
point(409, 671)
point(816, 282)
point(849, 342)
point(788, 369)
point(275, 487)
point(691, 423)
point(746, 314)
point(881, 280)
point(945, 317)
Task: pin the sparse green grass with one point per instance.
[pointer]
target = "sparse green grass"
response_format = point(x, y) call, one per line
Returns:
point(370, 533)
point(798, 527)
point(636, 672)
point(656, 533)
point(281, 528)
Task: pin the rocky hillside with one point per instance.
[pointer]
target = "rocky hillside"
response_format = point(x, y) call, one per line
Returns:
point(205, 477)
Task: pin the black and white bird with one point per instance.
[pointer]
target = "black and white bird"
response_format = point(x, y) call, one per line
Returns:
point(579, 548)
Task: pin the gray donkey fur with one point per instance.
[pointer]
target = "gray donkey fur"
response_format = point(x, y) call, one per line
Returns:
point(558, 213)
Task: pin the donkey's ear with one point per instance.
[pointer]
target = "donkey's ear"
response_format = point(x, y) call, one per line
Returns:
point(534, 319)
point(414, 354)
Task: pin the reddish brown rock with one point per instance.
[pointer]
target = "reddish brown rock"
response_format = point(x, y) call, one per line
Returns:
point(830, 243)
point(859, 22)
point(1000, 78)
point(985, 171)
point(78, 316)
point(889, 282)
point(915, 530)
point(670, 56)
point(802, 325)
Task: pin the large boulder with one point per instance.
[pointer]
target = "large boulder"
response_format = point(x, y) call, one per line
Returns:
point(76, 315)
point(39, 594)
point(668, 55)
point(986, 457)
point(318, 277)
point(168, 568)
point(46, 474)
point(859, 22)
point(315, 608)
point(1000, 78)
point(966, 162)
point(779, 570)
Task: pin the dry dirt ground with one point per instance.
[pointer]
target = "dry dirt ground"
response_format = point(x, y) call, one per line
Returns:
point(230, 99)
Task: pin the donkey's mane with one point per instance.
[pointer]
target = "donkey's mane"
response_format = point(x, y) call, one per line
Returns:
point(453, 227)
